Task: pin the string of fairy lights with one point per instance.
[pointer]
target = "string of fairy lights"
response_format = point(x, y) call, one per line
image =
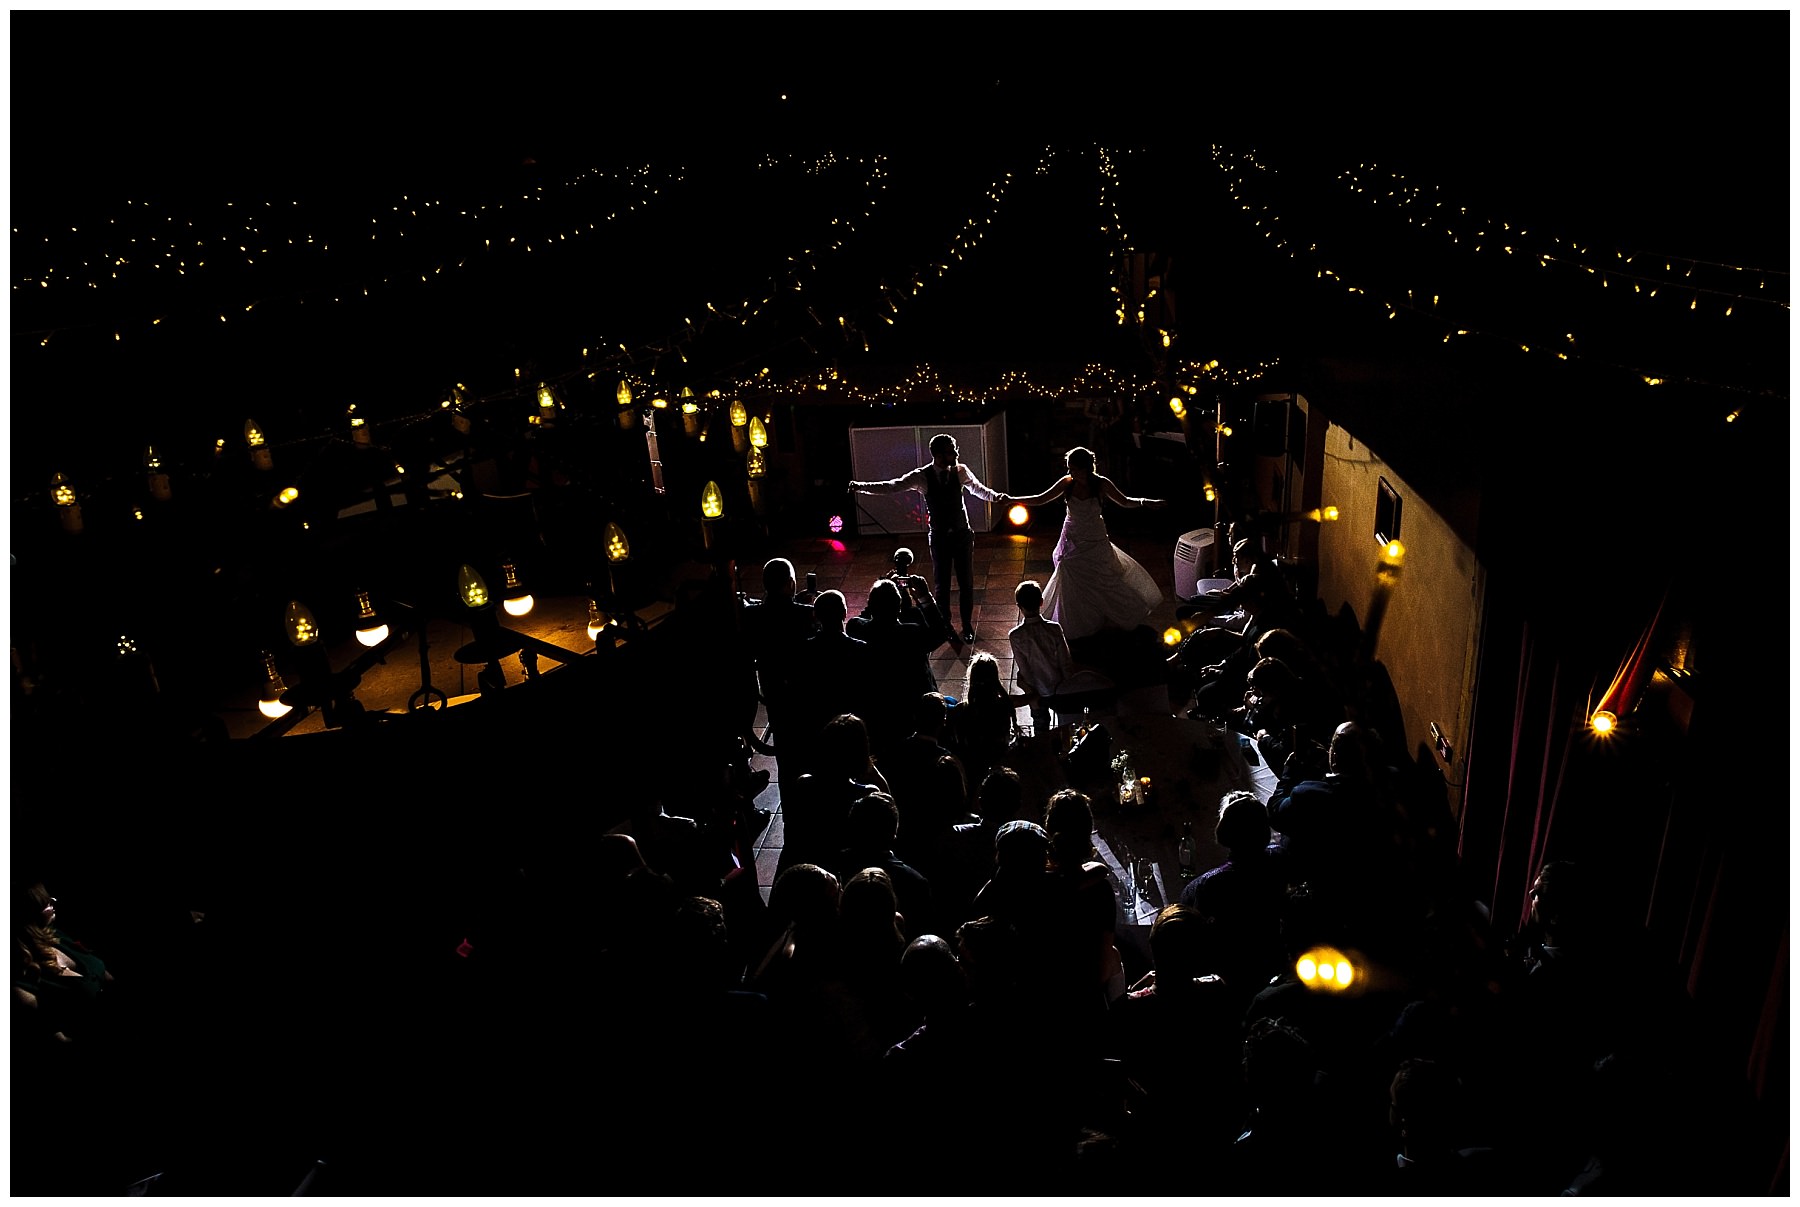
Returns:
point(243, 244)
point(1722, 285)
point(151, 244)
point(1244, 170)
point(923, 382)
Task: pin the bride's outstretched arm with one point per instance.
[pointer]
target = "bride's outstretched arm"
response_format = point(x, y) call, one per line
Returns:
point(1049, 496)
point(1124, 500)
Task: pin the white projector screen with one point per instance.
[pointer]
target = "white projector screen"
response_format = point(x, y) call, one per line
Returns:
point(880, 453)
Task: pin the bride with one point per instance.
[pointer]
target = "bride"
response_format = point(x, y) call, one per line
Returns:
point(1095, 584)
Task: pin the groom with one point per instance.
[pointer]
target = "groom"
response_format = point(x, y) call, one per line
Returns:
point(952, 542)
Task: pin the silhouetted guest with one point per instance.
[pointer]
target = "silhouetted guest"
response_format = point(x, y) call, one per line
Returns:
point(775, 628)
point(831, 677)
point(1042, 663)
point(1176, 1033)
point(868, 843)
point(1244, 896)
point(898, 666)
point(983, 721)
point(1426, 1112)
point(816, 807)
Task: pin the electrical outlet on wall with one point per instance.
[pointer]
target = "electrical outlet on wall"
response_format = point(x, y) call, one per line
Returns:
point(1440, 741)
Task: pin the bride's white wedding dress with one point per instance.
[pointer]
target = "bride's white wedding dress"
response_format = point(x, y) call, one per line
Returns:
point(1095, 584)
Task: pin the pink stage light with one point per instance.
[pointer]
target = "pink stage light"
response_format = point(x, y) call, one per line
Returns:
point(835, 523)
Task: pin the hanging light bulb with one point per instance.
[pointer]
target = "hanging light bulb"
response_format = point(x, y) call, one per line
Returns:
point(759, 435)
point(756, 467)
point(548, 404)
point(459, 410)
point(660, 403)
point(268, 701)
point(371, 629)
point(471, 588)
point(158, 480)
point(513, 596)
point(258, 443)
point(618, 549)
point(68, 507)
point(690, 417)
point(740, 433)
point(1178, 407)
point(596, 622)
point(1603, 722)
point(627, 413)
point(712, 506)
point(302, 627)
point(359, 427)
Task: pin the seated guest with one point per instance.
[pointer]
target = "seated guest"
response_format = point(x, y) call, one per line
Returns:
point(1244, 896)
point(983, 722)
point(1042, 663)
point(814, 810)
point(868, 843)
point(831, 676)
point(1177, 1035)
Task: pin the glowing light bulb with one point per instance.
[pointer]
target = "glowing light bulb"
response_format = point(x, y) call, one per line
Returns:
point(371, 630)
point(712, 501)
point(1307, 969)
point(759, 435)
point(623, 393)
point(471, 588)
point(302, 627)
point(260, 456)
point(514, 598)
point(757, 464)
point(740, 415)
point(1018, 515)
point(618, 549)
point(268, 702)
point(1604, 722)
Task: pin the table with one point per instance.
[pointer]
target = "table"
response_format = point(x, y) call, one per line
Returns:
point(1191, 764)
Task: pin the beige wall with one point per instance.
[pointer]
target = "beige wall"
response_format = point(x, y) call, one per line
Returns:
point(1431, 622)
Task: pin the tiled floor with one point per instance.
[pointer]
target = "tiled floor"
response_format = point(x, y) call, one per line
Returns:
point(1002, 561)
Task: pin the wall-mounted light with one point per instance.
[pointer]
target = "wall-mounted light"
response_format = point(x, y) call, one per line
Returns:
point(1603, 723)
point(1327, 969)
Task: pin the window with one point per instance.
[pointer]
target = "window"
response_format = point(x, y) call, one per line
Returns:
point(1387, 513)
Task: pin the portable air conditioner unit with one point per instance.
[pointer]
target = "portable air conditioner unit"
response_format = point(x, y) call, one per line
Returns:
point(1193, 560)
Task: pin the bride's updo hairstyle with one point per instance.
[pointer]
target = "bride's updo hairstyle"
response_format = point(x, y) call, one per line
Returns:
point(1080, 459)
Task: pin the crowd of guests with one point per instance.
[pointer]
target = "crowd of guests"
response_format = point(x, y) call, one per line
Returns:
point(935, 998)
